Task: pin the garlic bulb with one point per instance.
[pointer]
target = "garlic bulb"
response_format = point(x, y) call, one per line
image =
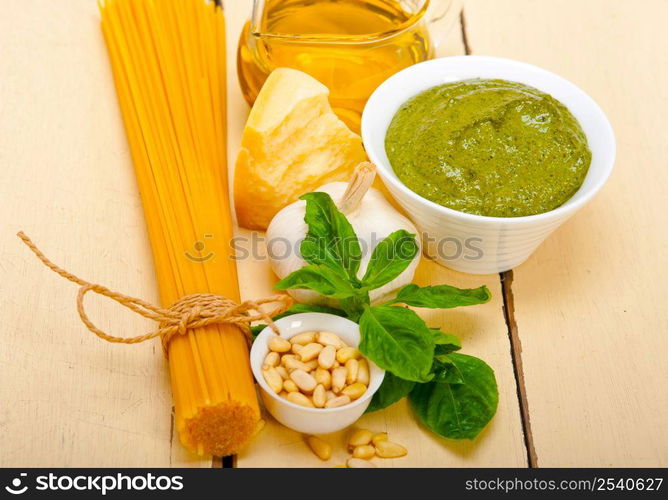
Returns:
point(371, 216)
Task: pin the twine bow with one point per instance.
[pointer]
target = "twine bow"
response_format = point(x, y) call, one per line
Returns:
point(191, 311)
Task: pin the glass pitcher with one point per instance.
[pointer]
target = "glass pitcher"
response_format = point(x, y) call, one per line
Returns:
point(351, 46)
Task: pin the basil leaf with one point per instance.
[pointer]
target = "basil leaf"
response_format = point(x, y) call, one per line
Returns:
point(441, 296)
point(354, 306)
point(397, 340)
point(296, 309)
point(390, 258)
point(321, 279)
point(458, 411)
point(331, 240)
point(446, 371)
point(445, 342)
point(390, 391)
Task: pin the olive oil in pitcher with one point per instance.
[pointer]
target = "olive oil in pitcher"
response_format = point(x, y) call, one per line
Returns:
point(351, 46)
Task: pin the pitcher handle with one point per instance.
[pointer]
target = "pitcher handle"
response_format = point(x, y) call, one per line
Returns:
point(441, 17)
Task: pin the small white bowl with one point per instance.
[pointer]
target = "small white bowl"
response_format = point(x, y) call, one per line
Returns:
point(474, 243)
point(300, 418)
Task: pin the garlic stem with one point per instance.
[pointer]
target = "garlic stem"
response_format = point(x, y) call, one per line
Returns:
point(360, 183)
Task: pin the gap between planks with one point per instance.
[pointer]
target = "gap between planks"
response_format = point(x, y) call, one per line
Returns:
point(516, 356)
point(465, 38)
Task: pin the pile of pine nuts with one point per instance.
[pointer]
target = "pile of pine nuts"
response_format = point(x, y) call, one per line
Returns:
point(363, 445)
point(315, 369)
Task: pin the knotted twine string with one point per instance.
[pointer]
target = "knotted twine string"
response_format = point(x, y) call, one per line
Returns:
point(191, 311)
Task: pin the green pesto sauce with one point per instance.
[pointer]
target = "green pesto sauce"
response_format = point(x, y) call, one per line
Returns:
point(488, 147)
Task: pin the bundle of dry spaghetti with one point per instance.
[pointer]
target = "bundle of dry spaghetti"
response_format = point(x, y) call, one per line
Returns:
point(168, 61)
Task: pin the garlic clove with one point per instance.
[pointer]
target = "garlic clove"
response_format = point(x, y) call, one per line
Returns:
point(373, 219)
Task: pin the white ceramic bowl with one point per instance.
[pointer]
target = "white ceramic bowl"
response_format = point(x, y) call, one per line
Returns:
point(474, 243)
point(300, 418)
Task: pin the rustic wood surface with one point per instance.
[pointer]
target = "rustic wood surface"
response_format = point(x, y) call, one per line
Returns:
point(578, 349)
point(590, 304)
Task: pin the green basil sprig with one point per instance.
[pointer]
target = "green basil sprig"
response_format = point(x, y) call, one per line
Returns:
point(453, 394)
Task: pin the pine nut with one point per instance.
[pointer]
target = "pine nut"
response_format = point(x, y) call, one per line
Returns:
point(329, 338)
point(360, 437)
point(313, 364)
point(278, 344)
point(318, 370)
point(364, 451)
point(303, 338)
point(352, 367)
point(354, 391)
point(359, 463)
point(321, 448)
point(319, 396)
point(346, 353)
point(273, 379)
point(363, 371)
point(287, 357)
point(292, 365)
point(272, 359)
point(390, 449)
point(303, 380)
point(327, 357)
point(377, 438)
point(310, 351)
point(336, 402)
point(299, 399)
point(296, 349)
point(323, 377)
point(282, 372)
point(290, 386)
point(338, 379)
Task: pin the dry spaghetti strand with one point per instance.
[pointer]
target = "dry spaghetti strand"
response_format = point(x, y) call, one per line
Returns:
point(168, 63)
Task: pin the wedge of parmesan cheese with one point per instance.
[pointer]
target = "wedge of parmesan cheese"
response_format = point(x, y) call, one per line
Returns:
point(293, 143)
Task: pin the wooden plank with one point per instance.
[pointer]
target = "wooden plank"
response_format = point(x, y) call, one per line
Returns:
point(590, 304)
point(482, 329)
point(67, 398)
